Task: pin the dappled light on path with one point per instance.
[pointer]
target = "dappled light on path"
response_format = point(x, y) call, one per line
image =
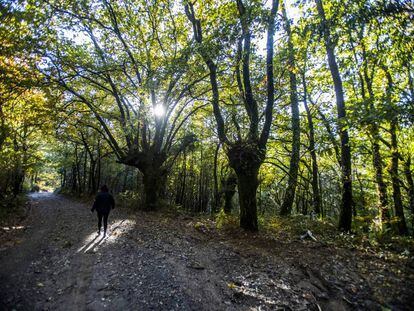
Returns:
point(93, 241)
point(252, 285)
point(13, 228)
point(158, 262)
point(42, 195)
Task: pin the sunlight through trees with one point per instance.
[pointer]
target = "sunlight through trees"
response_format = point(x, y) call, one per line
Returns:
point(256, 108)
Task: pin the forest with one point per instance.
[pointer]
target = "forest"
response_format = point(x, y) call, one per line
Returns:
point(248, 113)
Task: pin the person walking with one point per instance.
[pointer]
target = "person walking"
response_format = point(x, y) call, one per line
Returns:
point(103, 204)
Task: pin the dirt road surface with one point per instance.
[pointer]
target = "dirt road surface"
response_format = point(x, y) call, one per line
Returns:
point(150, 261)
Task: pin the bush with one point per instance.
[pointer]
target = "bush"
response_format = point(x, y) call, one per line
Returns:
point(12, 206)
point(226, 221)
point(129, 199)
point(294, 226)
point(35, 188)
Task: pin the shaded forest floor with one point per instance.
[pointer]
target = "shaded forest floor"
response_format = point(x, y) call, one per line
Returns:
point(156, 261)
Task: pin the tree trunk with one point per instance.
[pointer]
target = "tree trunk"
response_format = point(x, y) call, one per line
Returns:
point(316, 202)
point(200, 183)
point(345, 218)
point(92, 176)
point(245, 159)
point(78, 188)
point(247, 183)
point(361, 200)
point(84, 170)
point(74, 179)
point(125, 179)
point(323, 212)
point(410, 189)
point(247, 156)
point(379, 177)
point(98, 166)
point(17, 170)
point(181, 191)
point(366, 81)
point(229, 191)
point(398, 205)
point(64, 179)
point(79, 177)
point(18, 181)
point(288, 200)
point(154, 185)
point(98, 173)
point(216, 202)
point(3, 128)
point(327, 124)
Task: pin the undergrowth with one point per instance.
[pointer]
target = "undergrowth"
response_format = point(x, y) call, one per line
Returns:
point(365, 236)
point(13, 207)
point(325, 231)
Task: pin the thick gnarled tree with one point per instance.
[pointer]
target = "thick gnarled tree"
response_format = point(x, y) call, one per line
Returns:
point(247, 153)
point(136, 81)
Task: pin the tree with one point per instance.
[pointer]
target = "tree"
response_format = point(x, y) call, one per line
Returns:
point(366, 75)
point(286, 207)
point(149, 90)
point(345, 219)
point(395, 158)
point(247, 153)
point(24, 105)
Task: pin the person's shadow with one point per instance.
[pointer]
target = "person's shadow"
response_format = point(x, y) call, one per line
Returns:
point(89, 245)
point(117, 226)
point(95, 242)
point(91, 242)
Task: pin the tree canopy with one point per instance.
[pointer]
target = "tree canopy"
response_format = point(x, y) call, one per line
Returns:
point(256, 108)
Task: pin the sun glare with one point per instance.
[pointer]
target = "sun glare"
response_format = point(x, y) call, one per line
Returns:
point(159, 110)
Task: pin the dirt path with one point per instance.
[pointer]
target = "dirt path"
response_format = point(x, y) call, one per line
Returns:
point(62, 264)
point(155, 262)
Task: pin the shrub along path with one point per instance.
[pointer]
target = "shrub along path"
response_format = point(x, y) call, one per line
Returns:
point(156, 261)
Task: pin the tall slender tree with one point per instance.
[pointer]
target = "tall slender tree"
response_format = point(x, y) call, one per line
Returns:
point(395, 155)
point(316, 202)
point(345, 218)
point(366, 75)
point(288, 200)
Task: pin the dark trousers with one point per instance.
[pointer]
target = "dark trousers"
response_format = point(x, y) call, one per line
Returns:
point(105, 220)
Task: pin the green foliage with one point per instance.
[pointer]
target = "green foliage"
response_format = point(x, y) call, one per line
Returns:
point(294, 226)
point(226, 221)
point(129, 199)
point(77, 91)
point(12, 207)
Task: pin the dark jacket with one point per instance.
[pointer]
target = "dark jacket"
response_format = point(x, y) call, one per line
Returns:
point(104, 202)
